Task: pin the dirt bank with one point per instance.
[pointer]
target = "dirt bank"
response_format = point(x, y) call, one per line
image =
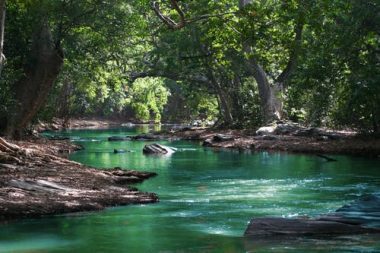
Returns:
point(36, 181)
point(343, 142)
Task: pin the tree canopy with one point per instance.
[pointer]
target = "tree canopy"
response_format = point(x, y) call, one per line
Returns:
point(239, 63)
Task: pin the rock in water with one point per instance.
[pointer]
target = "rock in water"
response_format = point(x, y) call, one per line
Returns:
point(157, 149)
point(361, 216)
point(364, 212)
point(119, 138)
point(120, 151)
point(300, 227)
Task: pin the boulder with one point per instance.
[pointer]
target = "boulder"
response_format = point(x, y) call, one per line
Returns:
point(222, 138)
point(307, 132)
point(120, 151)
point(286, 128)
point(280, 128)
point(266, 130)
point(302, 227)
point(157, 149)
point(361, 216)
point(207, 143)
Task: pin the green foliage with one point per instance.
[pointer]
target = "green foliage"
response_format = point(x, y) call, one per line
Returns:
point(147, 97)
point(337, 83)
point(198, 72)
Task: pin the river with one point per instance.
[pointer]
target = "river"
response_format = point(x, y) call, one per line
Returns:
point(207, 197)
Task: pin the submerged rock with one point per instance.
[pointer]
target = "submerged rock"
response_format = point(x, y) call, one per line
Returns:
point(361, 216)
point(119, 138)
point(157, 149)
point(120, 151)
point(300, 227)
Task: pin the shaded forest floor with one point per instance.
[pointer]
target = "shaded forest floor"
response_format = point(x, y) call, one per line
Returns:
point(36, 180)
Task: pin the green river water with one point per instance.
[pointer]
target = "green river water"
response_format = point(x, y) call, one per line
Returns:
point(207, 197)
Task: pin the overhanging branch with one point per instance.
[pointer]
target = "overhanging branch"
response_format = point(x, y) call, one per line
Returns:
point(182, 19)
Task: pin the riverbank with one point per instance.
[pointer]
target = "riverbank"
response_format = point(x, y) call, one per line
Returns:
point(289, 139)
point(36, 180)
point(332, 142)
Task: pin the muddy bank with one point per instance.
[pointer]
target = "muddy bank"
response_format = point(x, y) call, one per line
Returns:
point(35, 181)
point(332, 143)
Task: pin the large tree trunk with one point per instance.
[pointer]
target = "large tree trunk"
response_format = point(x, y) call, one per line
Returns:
point(33, 88)
point(270, 95)
point(2, 26)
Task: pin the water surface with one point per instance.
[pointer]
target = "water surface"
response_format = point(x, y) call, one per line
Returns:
point(207, 197)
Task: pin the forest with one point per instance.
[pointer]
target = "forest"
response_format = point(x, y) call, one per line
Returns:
point(189, 126)
point(238, 64)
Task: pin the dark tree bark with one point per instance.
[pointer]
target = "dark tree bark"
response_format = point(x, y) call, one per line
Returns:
point(31, 91)
point(223, 101)
point(2, 26)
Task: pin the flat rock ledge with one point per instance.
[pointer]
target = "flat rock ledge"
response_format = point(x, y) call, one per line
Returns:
point(34, 183)
point(360, 217)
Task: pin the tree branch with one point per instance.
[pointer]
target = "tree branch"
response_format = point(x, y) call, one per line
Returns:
point(293, 58)
point(167, 20)
point(183, 21)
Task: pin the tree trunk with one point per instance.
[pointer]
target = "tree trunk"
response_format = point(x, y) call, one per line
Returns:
point(224, 106)
point(270, 96)
point(32, 89)
point(2, 26)
point(271, 104)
